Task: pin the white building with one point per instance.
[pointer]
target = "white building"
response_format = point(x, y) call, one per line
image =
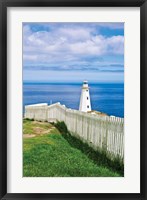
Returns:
point(85, 104)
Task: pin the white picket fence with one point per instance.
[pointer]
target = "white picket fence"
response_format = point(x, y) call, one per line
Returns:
point(103, 133)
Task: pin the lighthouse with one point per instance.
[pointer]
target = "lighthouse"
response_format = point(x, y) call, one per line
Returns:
point(85, 104)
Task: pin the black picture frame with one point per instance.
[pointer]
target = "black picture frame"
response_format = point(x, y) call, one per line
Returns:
point(4, 4)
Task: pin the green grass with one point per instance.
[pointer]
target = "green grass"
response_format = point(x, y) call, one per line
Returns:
point(55, 154)
point(98, 157)
point(30, 125)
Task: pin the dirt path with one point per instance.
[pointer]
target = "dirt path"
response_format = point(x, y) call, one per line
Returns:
point(38, 130)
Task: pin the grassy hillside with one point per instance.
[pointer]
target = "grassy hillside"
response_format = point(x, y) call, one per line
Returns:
point(49, 153)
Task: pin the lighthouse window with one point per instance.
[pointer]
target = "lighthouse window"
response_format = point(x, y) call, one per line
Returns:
point(87, 106)
point(87, 90)
point(87, 98)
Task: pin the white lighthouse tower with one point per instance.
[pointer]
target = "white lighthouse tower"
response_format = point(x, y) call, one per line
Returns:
point(85, 104)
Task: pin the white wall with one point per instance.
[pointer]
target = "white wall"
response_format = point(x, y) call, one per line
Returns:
point(84, 102)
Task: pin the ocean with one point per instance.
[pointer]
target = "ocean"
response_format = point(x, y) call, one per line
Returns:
point(105, 97)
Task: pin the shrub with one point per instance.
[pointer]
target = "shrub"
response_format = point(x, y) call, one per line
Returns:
point(61, 126)
point(28, 119)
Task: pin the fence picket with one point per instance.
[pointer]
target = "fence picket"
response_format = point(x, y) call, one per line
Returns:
point(103, 132)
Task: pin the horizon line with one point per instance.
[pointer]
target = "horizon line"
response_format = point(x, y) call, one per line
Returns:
point(35, 81)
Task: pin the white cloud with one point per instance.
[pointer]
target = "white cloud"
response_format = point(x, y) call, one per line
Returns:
point(66, 46)
point(112, 25)
point(116, 44)
point(75, 34)
point(30, 57)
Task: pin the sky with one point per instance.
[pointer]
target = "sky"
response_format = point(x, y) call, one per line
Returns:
point(73, 52)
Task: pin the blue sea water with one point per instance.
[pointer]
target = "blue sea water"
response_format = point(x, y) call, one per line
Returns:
point(105, 97)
